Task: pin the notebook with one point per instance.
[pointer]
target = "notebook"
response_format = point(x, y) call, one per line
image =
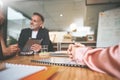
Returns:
point(26, 49)
point(59, 61)
point(18, 71)
point(59, 54)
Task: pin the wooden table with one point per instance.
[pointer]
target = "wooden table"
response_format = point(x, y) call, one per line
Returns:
point(63, 73)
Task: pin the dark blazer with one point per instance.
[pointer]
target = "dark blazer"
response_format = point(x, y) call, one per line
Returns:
point(42, 34)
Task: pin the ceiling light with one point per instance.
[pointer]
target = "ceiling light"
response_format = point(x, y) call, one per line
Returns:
point(61, 15)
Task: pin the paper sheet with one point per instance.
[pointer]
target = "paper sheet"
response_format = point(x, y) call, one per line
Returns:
point(16, 71)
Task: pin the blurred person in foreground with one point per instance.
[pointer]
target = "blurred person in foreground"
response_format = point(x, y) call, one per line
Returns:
point(6, 52)
point(104, 60)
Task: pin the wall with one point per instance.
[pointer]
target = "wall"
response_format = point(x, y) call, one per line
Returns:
point(109, 28)
point(92, 13)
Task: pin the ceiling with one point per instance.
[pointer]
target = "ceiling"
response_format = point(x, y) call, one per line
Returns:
point(58, 14)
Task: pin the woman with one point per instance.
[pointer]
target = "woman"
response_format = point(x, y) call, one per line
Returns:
point(105, 60)
point(6, 52)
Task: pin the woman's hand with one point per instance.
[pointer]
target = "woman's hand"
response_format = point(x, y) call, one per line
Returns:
point(77, 52)
point(13, 48)
point(72, 49)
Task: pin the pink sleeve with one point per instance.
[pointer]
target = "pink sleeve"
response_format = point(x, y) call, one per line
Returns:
point(103, 60)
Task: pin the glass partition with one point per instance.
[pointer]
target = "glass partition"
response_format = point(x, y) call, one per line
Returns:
point(16, 22)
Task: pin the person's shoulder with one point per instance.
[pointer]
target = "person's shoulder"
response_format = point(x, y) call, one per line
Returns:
point(45, 29)
point(26, 29)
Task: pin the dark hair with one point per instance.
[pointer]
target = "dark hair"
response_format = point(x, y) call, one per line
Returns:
point(38, 14)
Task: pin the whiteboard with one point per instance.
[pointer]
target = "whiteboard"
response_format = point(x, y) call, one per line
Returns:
point(108, 28)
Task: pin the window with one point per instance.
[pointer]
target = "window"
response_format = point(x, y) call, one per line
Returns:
point(16, 22)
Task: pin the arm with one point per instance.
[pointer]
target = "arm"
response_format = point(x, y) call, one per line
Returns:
point(99, 59)
point(104, 60)
point(46, 37)
point(9, 50)
point(23, 38)
point(20, 40)
point(48, 42)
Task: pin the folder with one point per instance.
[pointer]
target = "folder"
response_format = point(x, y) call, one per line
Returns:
point(26, 49)
point(26, 72)
point(42, 75)
point(30, 42)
